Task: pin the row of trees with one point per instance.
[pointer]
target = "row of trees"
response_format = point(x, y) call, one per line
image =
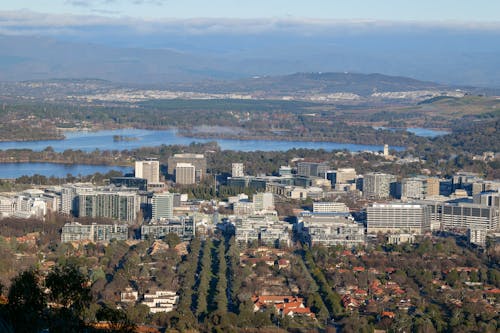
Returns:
point(330, 298)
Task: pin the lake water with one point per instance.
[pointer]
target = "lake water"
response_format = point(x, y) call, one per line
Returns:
point(426, 132)
point(16, 170)
point(418, 131)
point(103, 140)
point(136, 138)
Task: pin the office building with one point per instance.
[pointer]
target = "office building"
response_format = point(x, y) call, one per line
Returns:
point(7, 206)
point(342, 176)
point(148, 169)
point(263, 201)
point(312, 169)
point(94, 232)
point(285, 171)
point(329, 229)
point(162, 206)
point(330, 207)
point(130, 182)
point(183, 226)
point(378, 185)
point(237, 170)
point(488, 198)
point(185, 174)
point(477, 236)
point(397, 218)
point(69, 196)
point(121, 206)
point(485, 186)
point(418, 188)
point(461, 216)
point(265, 229)
point(197, 160)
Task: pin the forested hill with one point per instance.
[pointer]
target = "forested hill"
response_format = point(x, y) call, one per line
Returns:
point(322, 83)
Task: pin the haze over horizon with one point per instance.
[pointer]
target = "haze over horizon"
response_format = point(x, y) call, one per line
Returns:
point(453, 42)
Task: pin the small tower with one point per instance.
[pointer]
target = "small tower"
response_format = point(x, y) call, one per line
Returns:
point(386, 150)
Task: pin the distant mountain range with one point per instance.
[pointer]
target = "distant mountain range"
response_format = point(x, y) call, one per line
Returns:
point(269, 57)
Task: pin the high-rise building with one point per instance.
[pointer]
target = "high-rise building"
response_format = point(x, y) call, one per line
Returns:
point(488, 198)
point(396, 218)
point(418, 188)
point(463, 216)
point(263, 201)
point(185, 174)
point(237, 170)
point(69, 196)
point(148, 169)
point(197, 160)
point(312, 169)
point(121, 206)
point(162, 206)
point(378, 185)
point(432, 188)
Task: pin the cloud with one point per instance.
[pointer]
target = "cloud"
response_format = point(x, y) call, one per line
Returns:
point(28, 22)
point(94, 3)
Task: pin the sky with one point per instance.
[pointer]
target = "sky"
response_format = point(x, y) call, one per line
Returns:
point(383, 10)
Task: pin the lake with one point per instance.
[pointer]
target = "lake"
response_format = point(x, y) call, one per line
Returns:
point(418, 131)
point(16, 170)
point(136, 138)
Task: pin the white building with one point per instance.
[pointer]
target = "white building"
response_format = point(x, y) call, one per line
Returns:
point(161, 301)
point(162, 206)
point(148, 169)
point(75, 231)
point(7, 206)
point(263, 201)
point(69, 194)
point(377, 185)
point(237, 170)
point(330, 229)
point(185, 174)
point(267, 229)
point(329, 207)
point(398, 218)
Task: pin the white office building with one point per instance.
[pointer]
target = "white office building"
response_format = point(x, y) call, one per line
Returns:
point(398, 218)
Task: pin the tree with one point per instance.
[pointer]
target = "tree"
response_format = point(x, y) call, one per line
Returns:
point(117, 319)
point(70, 294)
point(26, 302)
point(69, 288)
point(172, 239)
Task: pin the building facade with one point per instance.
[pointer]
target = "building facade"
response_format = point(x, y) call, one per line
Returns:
point(162, 205)
point(74, 231)
point(197, 160)
point(185, 174)
point(398, 218)
point(148, 169)
point(237, 170)
point(378, 185)
point(121, 206)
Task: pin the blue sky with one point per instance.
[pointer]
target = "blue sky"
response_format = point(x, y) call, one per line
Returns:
point(383, 10)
